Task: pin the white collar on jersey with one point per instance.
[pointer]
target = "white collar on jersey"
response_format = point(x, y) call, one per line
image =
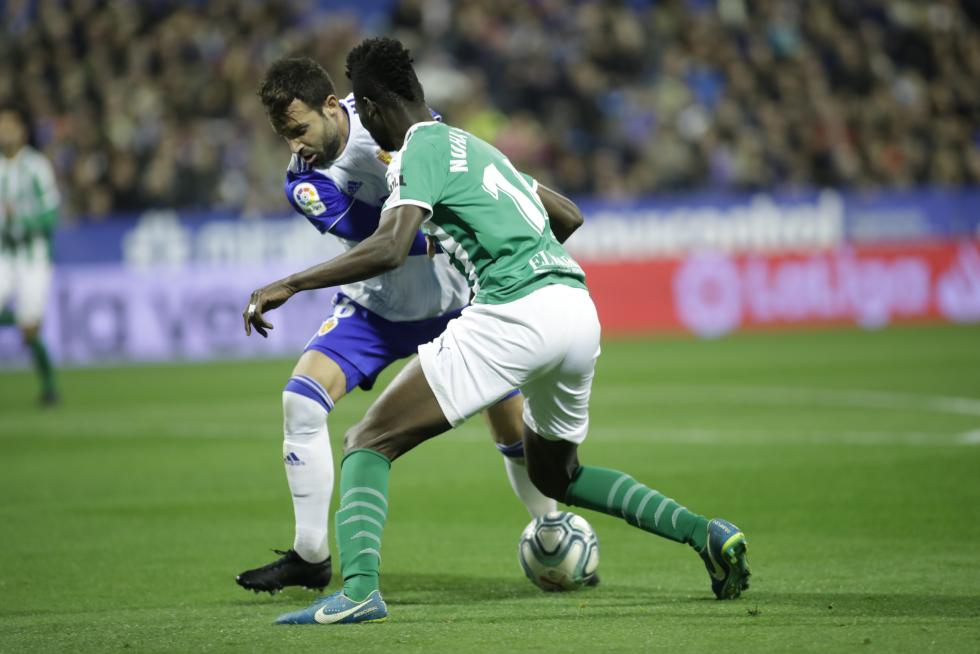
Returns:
point(412, 129)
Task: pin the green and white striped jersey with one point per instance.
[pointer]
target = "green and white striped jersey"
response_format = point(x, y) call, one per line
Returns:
point(29, 201)
point(485, 214)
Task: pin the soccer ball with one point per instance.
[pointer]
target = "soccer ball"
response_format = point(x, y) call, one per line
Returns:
point(559, 551)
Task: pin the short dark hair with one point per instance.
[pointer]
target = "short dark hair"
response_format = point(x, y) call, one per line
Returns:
point(294, 78)
point(381, 68)
point(20, 110)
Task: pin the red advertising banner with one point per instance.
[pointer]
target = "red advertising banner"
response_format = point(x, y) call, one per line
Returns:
point(711, 294)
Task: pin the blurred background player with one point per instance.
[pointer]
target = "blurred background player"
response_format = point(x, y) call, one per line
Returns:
point(336, 179)
point(29, 202)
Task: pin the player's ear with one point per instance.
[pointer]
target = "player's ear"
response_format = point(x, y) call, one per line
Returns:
point(370, 108)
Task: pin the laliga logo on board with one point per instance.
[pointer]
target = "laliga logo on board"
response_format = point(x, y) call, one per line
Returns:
point(958, 289)
point(715, 294)
point(707, 293)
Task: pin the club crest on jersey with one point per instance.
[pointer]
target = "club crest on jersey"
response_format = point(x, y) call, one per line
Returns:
point(352, 187)
point(308, 199)
point(327, 326)
point(384, 157)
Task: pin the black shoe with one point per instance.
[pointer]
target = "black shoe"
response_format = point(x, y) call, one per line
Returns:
point(290, 570)
point(50, 399)
point(592, 581)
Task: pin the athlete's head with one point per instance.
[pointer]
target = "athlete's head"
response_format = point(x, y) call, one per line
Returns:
point(386, 90)
point(13, 129)
point(299, 97)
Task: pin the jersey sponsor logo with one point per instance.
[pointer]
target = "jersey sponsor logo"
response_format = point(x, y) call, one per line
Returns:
point(545, 261)
point(308, 199)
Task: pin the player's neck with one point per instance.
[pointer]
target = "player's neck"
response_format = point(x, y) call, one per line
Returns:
point(343, 129)
point(11, 153)
point(411, 115)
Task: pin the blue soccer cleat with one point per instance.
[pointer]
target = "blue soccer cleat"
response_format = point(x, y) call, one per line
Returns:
point(339, 609)
point(724, 557)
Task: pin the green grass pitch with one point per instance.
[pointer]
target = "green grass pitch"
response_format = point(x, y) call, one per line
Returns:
point(851, 460)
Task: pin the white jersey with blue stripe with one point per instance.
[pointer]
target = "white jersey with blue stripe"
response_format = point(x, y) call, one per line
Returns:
point(344, 199)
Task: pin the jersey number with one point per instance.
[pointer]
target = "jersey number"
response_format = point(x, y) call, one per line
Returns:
point(494, 182)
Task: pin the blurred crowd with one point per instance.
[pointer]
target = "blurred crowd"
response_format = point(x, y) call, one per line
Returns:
point(152, 104)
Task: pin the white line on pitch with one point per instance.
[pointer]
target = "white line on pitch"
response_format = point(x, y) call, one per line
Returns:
point(770, 395)
point(969, 438)
point(712, 436)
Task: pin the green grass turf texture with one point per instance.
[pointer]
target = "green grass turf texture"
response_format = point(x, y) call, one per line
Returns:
point(128, 510)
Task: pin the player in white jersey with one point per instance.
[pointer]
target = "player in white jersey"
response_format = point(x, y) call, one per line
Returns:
point(336, 179)
point(29, 203)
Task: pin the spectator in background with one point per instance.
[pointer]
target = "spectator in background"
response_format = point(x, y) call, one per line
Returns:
point(145, 105)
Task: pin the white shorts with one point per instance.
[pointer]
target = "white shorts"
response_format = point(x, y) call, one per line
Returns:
point(545, 344)
point(26, 281)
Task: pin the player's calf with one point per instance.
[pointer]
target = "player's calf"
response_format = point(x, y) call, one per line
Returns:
point(551, 465)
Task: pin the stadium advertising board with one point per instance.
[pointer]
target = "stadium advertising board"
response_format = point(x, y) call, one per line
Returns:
point(171, 287)
point(712, 294)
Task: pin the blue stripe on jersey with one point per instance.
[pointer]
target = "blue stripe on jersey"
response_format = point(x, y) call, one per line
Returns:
point(320, 200)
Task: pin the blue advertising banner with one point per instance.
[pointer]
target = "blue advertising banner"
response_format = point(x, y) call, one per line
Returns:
point(169, 286)
point(637, 229)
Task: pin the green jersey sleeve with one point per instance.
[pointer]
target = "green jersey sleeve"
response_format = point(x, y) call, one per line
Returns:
point(46, 194)
point(418, 173)
point(531, 182)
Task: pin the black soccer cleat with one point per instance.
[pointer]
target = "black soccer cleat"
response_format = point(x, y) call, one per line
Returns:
point(290, 570)
point(592, 581)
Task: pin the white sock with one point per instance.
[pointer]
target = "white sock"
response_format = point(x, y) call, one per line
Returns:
point(309, 464)
point(536, 502)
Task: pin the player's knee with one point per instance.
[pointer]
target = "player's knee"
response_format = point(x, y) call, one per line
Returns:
point(301, 414)
point(369, 435)
point(361, 436)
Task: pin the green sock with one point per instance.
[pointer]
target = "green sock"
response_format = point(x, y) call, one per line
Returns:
point(616, 493)
point(360, 520)
point(42, 362)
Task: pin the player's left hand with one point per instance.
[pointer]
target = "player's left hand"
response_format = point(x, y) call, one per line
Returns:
point(266, 298)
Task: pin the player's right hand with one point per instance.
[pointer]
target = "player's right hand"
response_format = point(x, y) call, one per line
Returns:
point(266, 298)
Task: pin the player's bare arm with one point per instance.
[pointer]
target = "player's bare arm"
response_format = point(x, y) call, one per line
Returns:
point(563, 214)
point(384, 250)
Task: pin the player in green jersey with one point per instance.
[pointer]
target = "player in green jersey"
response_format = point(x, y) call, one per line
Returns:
point(28, 211)
point(532, 325)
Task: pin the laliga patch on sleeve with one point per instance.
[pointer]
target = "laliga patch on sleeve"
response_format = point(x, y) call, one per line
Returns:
point(308, 199)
